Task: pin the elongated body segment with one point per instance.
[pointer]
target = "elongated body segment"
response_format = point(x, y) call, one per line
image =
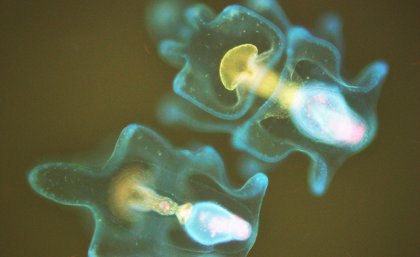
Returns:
point(152, 199)
point(275, 87)
point(321, 113)
point(209, 223)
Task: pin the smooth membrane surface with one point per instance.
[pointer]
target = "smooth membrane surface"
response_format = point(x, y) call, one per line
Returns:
point(278, 88)
point(141, 199)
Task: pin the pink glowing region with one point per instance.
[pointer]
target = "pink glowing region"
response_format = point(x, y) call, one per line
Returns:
point(323, 114)
point(346, 130)
point(234, 226)
point(210, 224)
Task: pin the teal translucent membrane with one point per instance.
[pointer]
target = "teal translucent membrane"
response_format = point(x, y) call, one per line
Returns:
point(314, 64)
point(328, 131)
point(141, 199)
point(198, 41)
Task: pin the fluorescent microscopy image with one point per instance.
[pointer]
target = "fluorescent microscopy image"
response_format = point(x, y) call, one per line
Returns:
point(151, 199)
point(283, 97)
point(277, 88)
point(202, 40)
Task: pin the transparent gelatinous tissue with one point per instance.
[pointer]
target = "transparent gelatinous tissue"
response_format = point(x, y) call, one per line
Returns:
point(277, 88)
point(197, 42)
point(151, 199)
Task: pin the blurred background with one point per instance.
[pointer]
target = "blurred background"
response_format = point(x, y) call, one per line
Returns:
point(74, 73)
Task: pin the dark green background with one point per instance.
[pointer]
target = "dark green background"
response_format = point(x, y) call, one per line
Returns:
point(74, 73)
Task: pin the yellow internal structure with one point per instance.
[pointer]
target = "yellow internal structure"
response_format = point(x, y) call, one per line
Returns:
point(242, 67)
point(129, 196)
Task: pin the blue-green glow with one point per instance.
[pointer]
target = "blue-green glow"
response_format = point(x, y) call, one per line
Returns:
point(298, 60)
point(138, 198)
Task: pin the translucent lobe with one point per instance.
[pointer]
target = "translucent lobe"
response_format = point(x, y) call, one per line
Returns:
point(270, 136)
point(200, 53)
point(321, 113)
point(264, 100)
point(329, 27)
point(161, 13)
point(210, 224)
point(141, 196)
point(271, 10)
